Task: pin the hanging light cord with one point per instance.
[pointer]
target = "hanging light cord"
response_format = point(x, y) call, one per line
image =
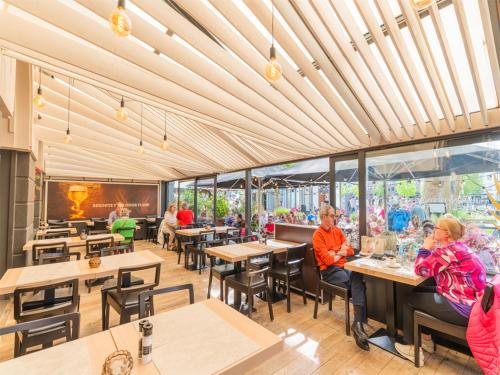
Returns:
point(69, 99)
point(272, 23)
point(165, 121)
point(141, 121)
point(40, 78)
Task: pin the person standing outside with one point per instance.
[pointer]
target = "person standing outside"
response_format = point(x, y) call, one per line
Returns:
point(116, 213)
point(185, 215)
point(331, 249)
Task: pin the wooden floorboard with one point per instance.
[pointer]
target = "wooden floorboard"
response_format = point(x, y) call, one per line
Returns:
point(312, 346)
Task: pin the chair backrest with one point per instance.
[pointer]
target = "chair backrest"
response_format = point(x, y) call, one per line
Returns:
point(488, 297)
point(254, 266)
point(27, 310)
point(207, 235)
point(128, 233)
point(248, 238)
point(158, 222)
point(94, 246)
point(46, 258)
point(59, 234)
point(72, 321)
point(295, 255)
point(124, 274)
point(144, 296)
point(100, 224)
point(56, 247)
point(315, 264)
point(98, 218)
point(112, 250)
point(58, 224)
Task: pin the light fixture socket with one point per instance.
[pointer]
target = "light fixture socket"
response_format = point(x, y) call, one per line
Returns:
point(67, 131)
point(39, 91)
point(272, 53)
point(165, 137)
point(122, 103)
point(121, 4)
point(140, 142)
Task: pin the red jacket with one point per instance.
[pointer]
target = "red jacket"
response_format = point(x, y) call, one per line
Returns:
point(329, 240)
point(483, 333)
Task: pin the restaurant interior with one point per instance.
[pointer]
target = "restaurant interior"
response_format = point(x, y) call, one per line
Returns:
point(250, 186)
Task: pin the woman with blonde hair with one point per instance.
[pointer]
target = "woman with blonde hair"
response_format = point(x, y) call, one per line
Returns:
point(168, 225)
point(460, 280)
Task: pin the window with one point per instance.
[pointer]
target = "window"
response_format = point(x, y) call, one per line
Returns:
point(347, 198)
point(410, 187)
point(172, 193)
point(230, 197)
point(186, 193)
point(205, 200)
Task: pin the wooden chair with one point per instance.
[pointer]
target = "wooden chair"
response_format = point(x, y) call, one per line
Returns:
point(219, 271)
point(55, 249)
point(46, 258)
point(289, 271)
point(71, 321)
point(93, 246)
point(197, 249)
point(124, 299)
point(144, 297)
point(129, 234)
point(331, 290)
point(41, 302)
point(59, 234)
point(100, 226)
point(250, 282)
point(58, 224)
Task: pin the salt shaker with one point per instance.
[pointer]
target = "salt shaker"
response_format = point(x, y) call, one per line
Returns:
point(147, 343)
point(141, 329)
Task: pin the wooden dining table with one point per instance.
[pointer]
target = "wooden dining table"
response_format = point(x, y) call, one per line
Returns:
point(55, 272)
point(72, 241)
point(43, 232)
point(238, 252)
point(385, 338)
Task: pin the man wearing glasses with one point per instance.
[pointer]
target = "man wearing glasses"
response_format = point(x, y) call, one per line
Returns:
point(331, 249)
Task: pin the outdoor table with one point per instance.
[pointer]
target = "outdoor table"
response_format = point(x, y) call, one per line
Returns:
point(236, 253)
point(43, 232)
point(45, 274)
point(385, 338)
point(195, 233)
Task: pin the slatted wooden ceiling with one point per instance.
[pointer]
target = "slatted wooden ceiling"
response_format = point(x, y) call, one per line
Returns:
point(355, 73)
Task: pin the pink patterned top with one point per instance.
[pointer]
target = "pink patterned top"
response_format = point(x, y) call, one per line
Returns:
point(460, 276)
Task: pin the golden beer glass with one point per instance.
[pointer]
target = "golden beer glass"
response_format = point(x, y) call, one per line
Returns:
point(77, 194)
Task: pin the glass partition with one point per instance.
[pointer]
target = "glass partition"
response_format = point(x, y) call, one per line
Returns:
point(347, 198)
point(205, 200)
point(410, 187)
point(291, 192)
point(186, 193)
point(172, 193)
point(230, 198)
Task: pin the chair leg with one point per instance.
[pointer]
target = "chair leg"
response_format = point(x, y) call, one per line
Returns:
point(226, 294)
point(106, 319)
point(210, 284)
point(288, 303)
point(417, 341)
point(17, 345)
point(151, 306)
point(316, 301)
point(221, 286)
point(250, 303)
point(330, 300)
point(304, 291)
point(123, 317)
point(179, 255)
point(270, 306)
point(347, 317)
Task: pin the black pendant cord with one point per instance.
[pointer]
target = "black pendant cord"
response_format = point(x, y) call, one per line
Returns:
point(40, 79)
point(165, 123)
point(69, 101)
point(142, 106)
point(272, 23)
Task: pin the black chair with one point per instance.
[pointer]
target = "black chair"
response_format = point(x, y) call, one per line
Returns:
point(94, 219)
point(183, 241)
point(129, 234)
point(422, 319)
point(124, 299)
point(46, 258)
point(59, 234)
point(94, 246)
point(219, 271)
point(233, 235)
point(53, 224)
point(144, 297)
point(41, 302)
point(70, 321)
point(250, 282)
point(331, 290)
point(289, 271)
point(55, 249)
point(197, 249)
point(100, 226)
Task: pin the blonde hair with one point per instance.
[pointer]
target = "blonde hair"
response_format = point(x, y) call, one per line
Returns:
point(454, 227)
point(171, 205)
point(325, 210)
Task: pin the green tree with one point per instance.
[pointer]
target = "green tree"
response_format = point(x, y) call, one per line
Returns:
point(351, 188)
point(406, 188)
point(471, 184)
point(221, 206)
point(378, 190)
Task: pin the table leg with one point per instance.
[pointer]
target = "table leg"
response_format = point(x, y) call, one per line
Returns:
point(237, 294)
point(385, 338)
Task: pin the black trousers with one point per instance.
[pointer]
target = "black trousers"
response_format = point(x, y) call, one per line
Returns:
point(425, 298)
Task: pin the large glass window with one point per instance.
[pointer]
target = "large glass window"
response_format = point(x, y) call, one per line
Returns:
point(205, 200)
point(172, 193)
point(230, 198)
point(347, 198)
point(290, 193)
point(410, 187)
point(186, 193)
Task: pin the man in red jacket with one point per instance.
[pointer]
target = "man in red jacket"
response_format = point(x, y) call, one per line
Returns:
point(331, 250)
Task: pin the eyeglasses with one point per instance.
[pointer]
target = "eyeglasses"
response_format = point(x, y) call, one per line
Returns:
point(440, 228)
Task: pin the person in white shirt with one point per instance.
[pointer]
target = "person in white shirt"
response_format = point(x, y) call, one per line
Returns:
point(115, 215)
point(168, 225)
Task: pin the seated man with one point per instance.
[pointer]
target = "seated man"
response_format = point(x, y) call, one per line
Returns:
point(116, 213)
point(269, 227)
point(125, 222)
point(331, 249)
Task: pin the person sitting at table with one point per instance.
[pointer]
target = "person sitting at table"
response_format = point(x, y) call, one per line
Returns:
point(125, 222)
point(239, 220)
point(331, 249)
point(115, 214)
point(269, 227)
point(185, 215)
point(460, 278)
point(168, 225)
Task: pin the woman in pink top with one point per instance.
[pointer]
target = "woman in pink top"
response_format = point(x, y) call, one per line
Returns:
point(460, 280)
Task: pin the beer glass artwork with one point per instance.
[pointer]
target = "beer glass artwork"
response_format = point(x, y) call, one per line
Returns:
point(77, 194)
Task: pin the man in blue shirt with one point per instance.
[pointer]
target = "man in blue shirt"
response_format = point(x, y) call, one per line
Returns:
point(115, 215)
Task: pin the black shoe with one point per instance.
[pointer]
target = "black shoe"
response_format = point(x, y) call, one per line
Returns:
point(360, 335)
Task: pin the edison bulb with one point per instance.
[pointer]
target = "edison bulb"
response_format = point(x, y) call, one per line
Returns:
point(119, 21)
point(421, 4)
point(68, 138)
point(141, 148)
point(39, 100)
point(121, 114)
point(164, 145)
point(273, 70)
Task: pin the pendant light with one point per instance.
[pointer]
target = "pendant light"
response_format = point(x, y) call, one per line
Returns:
point(164, 145)
point(39, 100)
point(121, 113)
point(421, 4)
point(67, 137)
point(141, 147)
point(119, 21)
point(272, 70)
